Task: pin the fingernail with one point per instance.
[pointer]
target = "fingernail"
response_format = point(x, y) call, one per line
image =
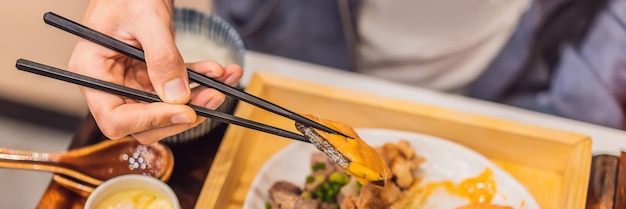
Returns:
point(232, 79)
point(175, 90)
point(213, 104)
point(180, 118)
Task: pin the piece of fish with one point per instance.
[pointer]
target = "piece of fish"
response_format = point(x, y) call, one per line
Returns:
point(355, 156)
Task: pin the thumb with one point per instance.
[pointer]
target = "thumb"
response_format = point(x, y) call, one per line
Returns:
point(166, 67)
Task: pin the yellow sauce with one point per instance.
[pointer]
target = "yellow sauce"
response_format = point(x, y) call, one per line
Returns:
point(479, 190)
point(135, 199)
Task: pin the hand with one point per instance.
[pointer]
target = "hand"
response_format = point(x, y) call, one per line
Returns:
point(145, 24)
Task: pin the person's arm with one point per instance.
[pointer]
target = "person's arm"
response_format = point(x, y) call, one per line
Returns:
point(146, 24)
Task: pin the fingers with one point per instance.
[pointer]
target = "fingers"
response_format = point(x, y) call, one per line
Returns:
point(211, 98)
point(148, 25)
point(229, 75)
point(152, 126)
point(208, 98)
point(133, 118)
point(155, 131)
point(234, 73)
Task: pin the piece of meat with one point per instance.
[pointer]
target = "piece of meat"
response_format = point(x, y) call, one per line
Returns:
point(403, 171)
point(284, 186)
point(406, 149)
point(302, 203)
point(391, 194)
point(349, 202)
point(389, 152)
point(416, 162)
point(320, 157)
point(286, 200)
point(369, 198)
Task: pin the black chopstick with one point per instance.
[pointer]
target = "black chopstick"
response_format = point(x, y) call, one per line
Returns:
point(131, 51)
point(59, 74)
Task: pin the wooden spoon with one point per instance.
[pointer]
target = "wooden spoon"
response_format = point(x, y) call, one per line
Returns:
point(85, 168)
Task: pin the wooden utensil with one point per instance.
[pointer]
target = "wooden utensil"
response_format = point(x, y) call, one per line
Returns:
point(620, 189)
point(602, 182)
point(83, 169)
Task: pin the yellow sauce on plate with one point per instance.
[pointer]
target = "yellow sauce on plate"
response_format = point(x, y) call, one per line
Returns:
point(478, 190)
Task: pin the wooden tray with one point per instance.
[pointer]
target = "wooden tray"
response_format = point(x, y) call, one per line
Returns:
point(553, 165)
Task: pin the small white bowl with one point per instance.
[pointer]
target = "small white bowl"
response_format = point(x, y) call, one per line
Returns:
point(128, 182)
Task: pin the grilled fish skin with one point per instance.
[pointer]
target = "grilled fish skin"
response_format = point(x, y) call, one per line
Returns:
point(355, 156)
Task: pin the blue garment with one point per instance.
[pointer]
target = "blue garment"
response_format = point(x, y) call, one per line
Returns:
point(310, 31)
point(566, 58)
point(585, 83)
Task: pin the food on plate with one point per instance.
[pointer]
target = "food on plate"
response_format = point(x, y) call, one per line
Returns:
point(356, 157)
point(329, 186)
point(135, 199)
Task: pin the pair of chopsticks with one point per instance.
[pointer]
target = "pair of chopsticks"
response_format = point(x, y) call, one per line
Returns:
point(131, 51)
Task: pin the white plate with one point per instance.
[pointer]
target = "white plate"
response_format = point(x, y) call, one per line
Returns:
point(445, 160)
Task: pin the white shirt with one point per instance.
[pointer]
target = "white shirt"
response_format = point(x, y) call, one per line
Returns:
point(438, 44)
